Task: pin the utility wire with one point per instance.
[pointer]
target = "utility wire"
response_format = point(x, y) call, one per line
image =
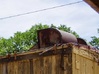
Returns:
point(40, 10)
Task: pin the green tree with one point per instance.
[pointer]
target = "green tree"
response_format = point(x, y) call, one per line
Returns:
point(6, 46)
point(23, 41)
point(95, 41)
point(33, 31)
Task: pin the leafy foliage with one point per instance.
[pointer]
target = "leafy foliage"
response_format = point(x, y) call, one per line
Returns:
point(95, 41)
point(22, 41)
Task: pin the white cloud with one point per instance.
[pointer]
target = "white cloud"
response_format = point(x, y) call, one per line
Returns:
point(80, 17)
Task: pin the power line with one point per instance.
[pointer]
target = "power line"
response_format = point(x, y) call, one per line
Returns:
point(40, 10)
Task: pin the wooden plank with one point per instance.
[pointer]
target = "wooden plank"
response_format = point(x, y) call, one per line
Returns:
point(69, 63)
point(83, 53)
point(58, 69)
point(26, 67)
point(41, 65)
point(53, 64)
point(66, 64)
point(28, 56)
point(48, 65)
point(74, 63)
point(31, 66)
point(89, 67)
point(20, 67)
point(15, 68)
point(3, 68)
point(46, 61)
point(10, 68)
point(96, 68)
point(82, 65)
point(23, 67)
point(36, 66)
point(78, 63)
point(86, 53)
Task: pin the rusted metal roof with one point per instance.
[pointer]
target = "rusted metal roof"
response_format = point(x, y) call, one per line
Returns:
point(94, 4)
point(67, 37)
point(50, 36)
point(81, 41)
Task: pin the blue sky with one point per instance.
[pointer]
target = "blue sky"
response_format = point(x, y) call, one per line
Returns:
point(80, 17)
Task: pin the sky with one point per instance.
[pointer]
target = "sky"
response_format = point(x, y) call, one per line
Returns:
point(80, 17)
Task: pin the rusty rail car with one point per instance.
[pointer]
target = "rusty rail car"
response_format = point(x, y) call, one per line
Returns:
point(58, 56)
